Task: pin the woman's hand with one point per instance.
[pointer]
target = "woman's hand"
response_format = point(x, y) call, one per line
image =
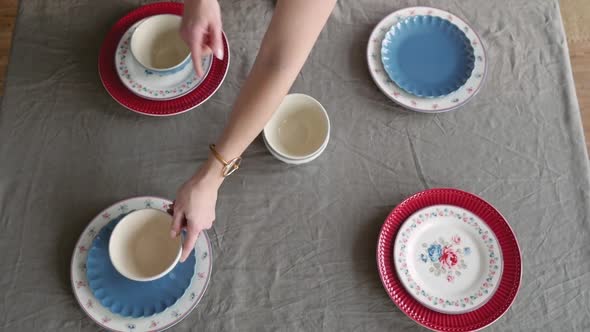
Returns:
point(201, 30)
point(194, 208)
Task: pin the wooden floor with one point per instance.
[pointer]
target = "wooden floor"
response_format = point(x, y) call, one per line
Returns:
point(579, 54)
point(8, 9)
point(580, 57)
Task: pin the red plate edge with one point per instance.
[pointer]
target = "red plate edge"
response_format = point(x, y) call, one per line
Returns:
point(116, 89)
point(510, 282)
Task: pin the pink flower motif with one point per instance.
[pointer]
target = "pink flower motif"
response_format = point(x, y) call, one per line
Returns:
point(201, 275)
point(396, 94)
point(456, 239)
point(448, 258)
point(413, 102)
point(450, 278)
point(492, 261)
point(80, 284)
point(105, 319)
point(469, 90)
point(82, 249)
point(440, 213)
point(89, 304)
point(441, 301)
point(485, 284)
point(450, 18)
point(485, 237)
point(466, 299)
point(434, 106)
point(153, 324)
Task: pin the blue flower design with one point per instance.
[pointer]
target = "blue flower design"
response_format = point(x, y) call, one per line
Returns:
point(467, 250)
point(434, 252)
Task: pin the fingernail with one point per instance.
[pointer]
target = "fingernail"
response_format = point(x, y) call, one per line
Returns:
point(219, 53)
point(172, 234)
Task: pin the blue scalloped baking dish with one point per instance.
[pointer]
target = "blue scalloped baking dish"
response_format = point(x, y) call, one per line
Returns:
point(427, 56)
point(130, 298)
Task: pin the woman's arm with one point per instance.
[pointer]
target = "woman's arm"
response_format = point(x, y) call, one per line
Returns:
point(292, 32)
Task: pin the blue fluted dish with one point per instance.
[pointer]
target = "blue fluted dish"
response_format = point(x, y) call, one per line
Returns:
point(130, 298)
point(427, 56)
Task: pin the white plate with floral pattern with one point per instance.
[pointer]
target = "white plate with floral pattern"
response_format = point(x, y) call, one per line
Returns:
point(150, 85)
point(448, 259)
point(157, 322)
point(428, 105)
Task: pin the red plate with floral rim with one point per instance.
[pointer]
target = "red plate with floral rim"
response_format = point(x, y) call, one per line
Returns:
point(112, 83)
point(474, 213)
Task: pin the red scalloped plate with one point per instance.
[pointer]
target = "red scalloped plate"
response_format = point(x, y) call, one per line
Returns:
point(114, 86)
point(474, 320)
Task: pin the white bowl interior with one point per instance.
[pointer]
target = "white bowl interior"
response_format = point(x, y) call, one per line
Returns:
point(156, 42)
point(141, 248)
point(298, 128)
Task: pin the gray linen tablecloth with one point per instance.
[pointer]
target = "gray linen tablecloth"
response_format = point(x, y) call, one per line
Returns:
point(294, 246)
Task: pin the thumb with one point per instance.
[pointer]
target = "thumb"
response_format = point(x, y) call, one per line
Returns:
point(176, 223)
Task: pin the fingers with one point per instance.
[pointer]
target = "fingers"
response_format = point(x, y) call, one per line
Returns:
point(194, 36)
point(189, 243)
point(177, 219)
point(215, 40)
point(196, 54)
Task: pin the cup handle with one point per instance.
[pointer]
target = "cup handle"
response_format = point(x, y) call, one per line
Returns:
point(170, 209)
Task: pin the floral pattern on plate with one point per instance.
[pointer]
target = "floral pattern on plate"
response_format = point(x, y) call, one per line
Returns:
point(407, 100)
point(445, 258)
point(444, 270)
point(158, 322)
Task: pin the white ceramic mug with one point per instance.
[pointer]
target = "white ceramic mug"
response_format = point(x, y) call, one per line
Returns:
point(141, 248)
point(156, 44)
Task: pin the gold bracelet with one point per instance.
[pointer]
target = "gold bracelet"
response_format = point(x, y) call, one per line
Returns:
point(228, 166)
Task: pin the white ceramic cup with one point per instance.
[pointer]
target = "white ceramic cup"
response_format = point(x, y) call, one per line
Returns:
point(299, 130)
point(156, 44)
point(141, 248)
